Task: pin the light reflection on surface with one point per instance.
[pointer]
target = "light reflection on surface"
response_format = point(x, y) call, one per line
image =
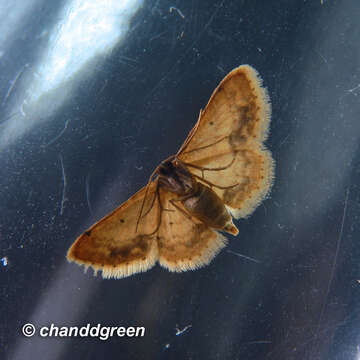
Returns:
point(12, 14)
point(85, 30)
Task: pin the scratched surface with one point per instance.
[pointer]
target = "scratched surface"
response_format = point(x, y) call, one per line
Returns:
point(288, 286)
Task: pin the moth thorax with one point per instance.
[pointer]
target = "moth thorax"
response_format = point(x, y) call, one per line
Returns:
point(176, 178)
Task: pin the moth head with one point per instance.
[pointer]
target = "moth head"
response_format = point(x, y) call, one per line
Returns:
point(166, 168)
point(176, 177)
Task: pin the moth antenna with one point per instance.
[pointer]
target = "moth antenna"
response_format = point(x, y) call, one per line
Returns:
point(147, 190)
point(152, 204)
point(190, 135)
point(160, 212)
point(143, 201)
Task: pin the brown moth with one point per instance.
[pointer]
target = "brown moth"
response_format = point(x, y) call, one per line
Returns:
point(222, 170)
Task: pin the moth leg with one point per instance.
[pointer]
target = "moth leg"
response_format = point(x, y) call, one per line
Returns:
point(205, 146)
point(172, 201)
point(212, 184)
point(169, 210)
point(209, 169)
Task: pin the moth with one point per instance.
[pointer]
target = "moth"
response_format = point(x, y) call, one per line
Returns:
point(222, 171)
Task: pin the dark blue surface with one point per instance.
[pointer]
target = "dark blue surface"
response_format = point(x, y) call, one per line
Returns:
point(127, 109)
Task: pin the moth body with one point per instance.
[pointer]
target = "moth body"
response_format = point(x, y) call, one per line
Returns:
point(198, 199)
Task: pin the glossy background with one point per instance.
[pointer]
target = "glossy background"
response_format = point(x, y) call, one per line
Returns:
point(96, 94)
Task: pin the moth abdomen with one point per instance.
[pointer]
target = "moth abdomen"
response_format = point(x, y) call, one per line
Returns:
point(206, 206)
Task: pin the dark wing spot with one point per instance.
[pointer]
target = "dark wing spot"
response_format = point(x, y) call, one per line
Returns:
point(123, 252)
point(88, 233)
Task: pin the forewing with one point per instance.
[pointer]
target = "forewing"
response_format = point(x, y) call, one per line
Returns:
point(226, 145)
point(112, 244)
point(185, 243)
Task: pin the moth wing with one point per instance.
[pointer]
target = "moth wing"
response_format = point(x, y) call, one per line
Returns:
point(113, 246)
point(226, 145)
point(185, 243)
